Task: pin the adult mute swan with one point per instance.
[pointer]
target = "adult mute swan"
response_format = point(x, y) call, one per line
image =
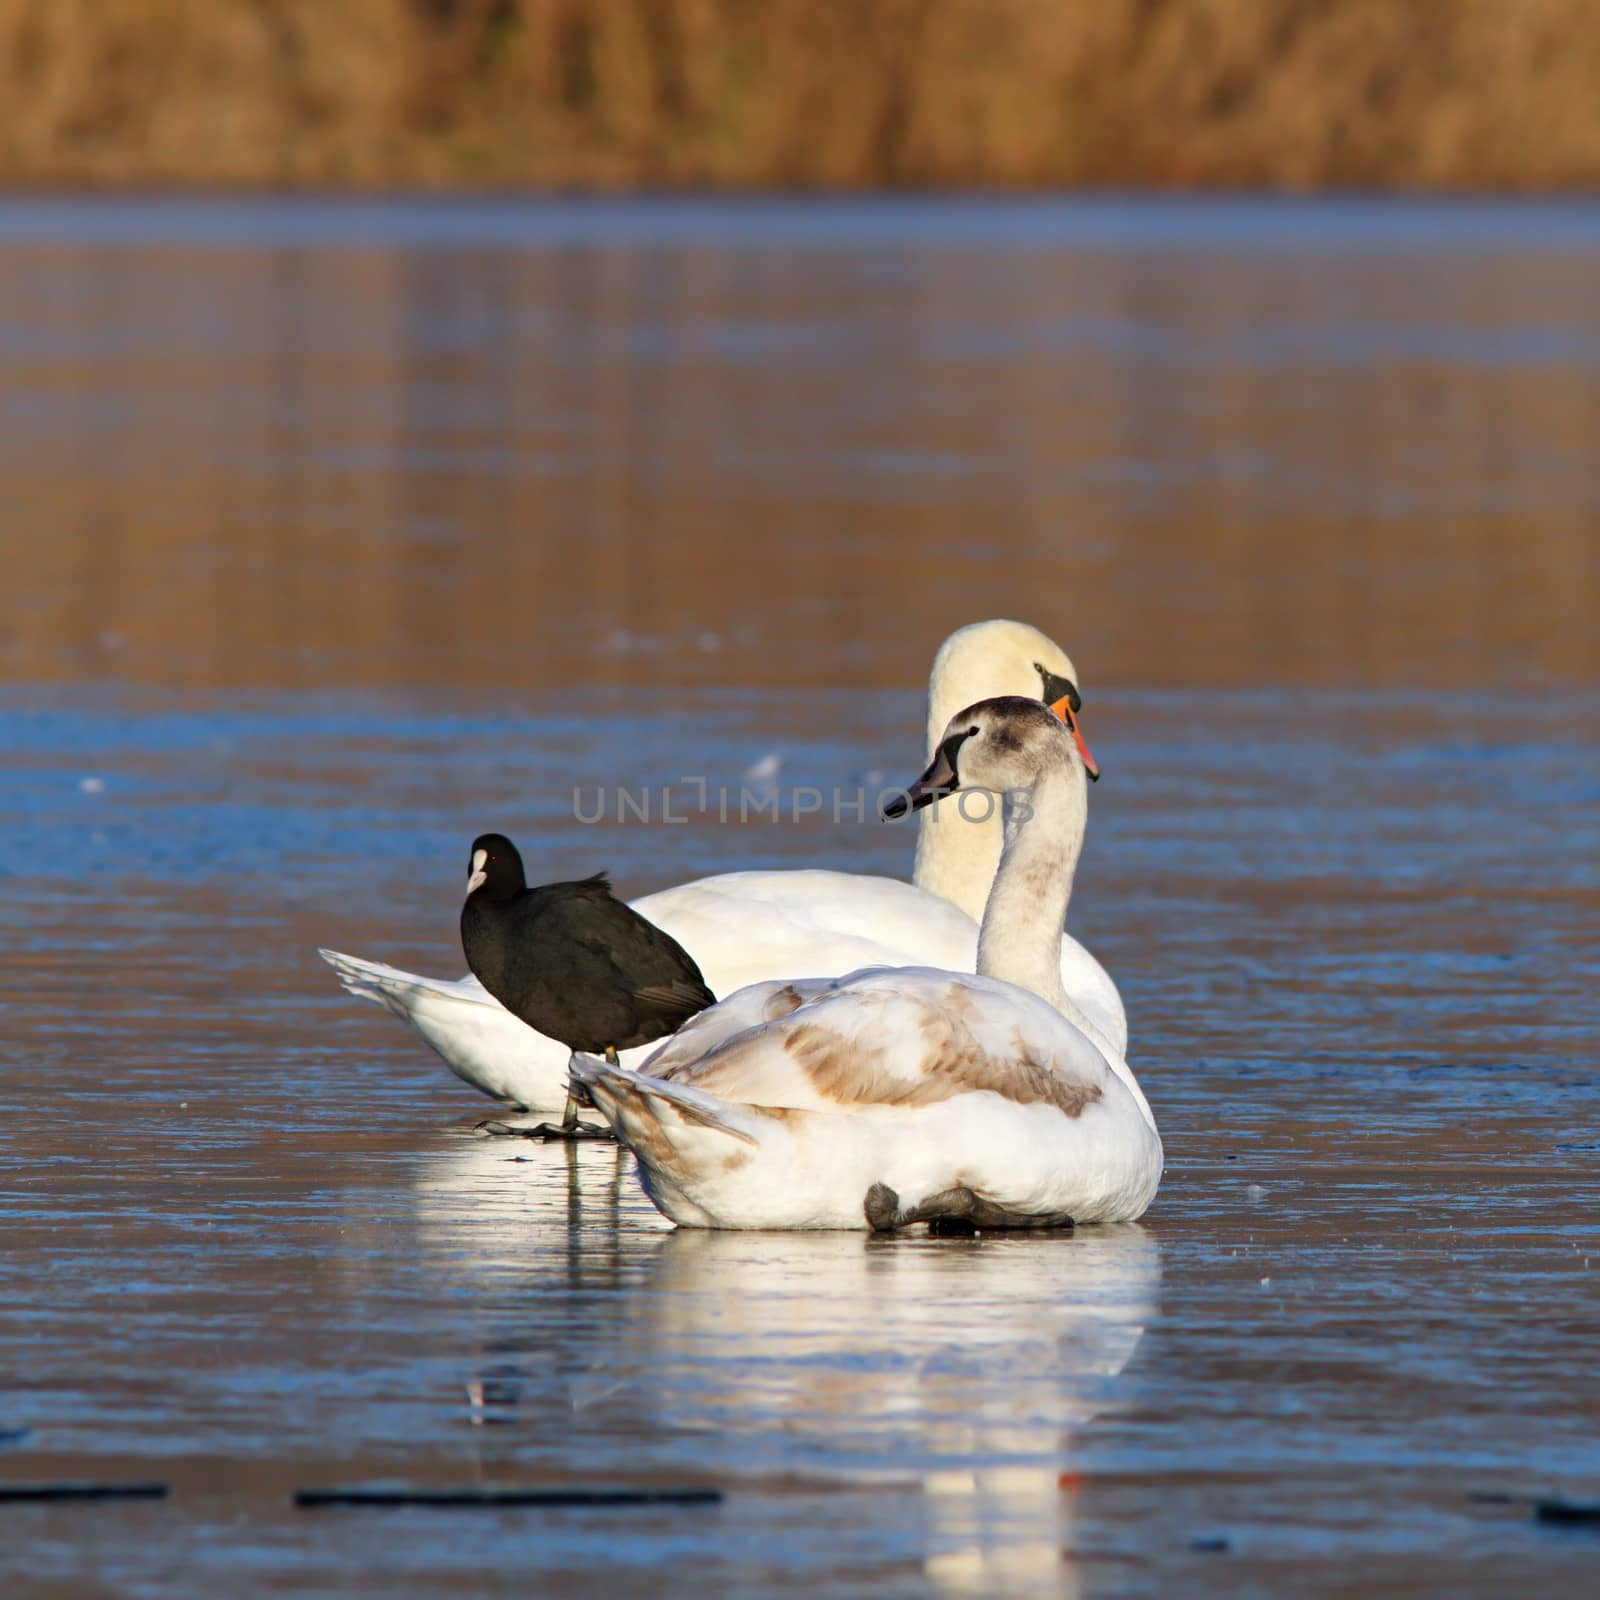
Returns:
point(904, 1095)
point(744, 927)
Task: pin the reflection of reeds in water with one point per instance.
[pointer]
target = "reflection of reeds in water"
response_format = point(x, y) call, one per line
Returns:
point(596, 465)
point(1471, 93)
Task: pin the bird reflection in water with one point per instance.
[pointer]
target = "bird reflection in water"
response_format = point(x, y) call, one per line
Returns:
point(973, 1365)
point(965, 1370)
point(506, 1219)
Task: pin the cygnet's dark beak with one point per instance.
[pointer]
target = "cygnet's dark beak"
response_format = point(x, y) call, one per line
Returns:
point(941, 778)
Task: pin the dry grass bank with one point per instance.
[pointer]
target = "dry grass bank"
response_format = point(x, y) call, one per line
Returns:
point(1296, 94)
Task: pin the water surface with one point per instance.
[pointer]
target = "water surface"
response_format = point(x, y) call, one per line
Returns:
point(337, 534)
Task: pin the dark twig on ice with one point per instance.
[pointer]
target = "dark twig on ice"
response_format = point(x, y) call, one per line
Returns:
point(1545, 1508)
point(84, 1491)
point(1568, 1513)
point(506, 1497)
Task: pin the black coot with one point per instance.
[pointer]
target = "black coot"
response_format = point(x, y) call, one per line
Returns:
point(572, 961)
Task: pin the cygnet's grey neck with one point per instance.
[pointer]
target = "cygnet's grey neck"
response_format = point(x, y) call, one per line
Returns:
point(1021, 937)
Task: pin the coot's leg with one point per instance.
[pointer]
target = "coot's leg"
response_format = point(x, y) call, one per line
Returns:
point(570, 1127)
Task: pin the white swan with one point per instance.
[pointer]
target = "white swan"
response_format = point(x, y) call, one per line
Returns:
point(895, 1096)
point(744, 927)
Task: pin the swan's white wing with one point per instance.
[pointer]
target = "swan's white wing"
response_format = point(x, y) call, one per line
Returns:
point(742, 928)
point(745, 927)
point(745, 1009)
point(901, 1037)
point(476, 1037)
point(817, 1103)
point(391, 988)
point(1092, 989)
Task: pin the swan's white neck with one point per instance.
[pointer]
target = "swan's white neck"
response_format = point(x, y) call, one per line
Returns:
point(1020, 941)
point(957, 857)
point(957, 852)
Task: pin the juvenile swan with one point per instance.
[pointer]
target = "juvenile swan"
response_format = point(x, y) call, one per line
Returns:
point(743, 927)
point(895, 1096)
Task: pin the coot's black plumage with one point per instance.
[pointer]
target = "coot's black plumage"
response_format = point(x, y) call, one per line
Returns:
point(570, 959)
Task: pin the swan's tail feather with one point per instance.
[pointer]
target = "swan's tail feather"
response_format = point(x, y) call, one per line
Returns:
point(395, 990)
point(646, 1111)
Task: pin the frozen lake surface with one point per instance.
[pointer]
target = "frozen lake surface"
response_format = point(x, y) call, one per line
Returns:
point(337, 534)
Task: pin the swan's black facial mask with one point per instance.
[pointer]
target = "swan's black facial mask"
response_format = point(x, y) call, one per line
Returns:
point(1061, 695)
point(942, 777)
point(1054, 687)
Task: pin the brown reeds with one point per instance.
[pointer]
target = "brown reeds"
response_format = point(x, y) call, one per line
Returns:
point(831, 94)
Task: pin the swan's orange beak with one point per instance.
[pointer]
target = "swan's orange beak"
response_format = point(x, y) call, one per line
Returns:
point(1063, 709)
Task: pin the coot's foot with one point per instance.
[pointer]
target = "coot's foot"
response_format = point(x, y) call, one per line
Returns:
point(572, 1132)
point(568, 1132)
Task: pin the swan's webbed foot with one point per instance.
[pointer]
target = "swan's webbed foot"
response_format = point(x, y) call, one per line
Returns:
point(882, 1208)
point(985, 1215)
point(955, 1211)
point(952, 1206)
